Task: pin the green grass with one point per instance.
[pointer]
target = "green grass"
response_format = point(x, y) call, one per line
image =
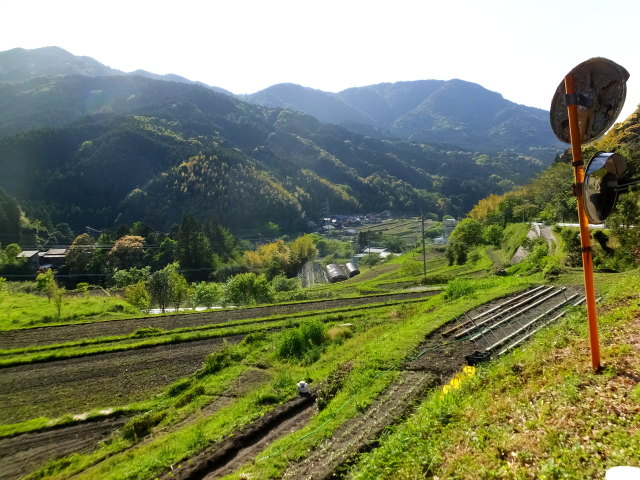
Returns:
point(379, 343)
point(539, 412)
point(19, 310)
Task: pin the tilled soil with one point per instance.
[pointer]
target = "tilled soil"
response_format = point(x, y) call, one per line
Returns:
point(21, 454)
point(223, 458)
point(443, 355)
point(357, 434)
point(438, 358)
point(98, 381)
point(66, 333)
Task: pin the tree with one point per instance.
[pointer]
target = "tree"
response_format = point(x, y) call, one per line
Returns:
point(248, 289)
point(46, 284)
point(280, 283)
point(206, 294)
point(223, 243)
point(193, 249)
point(140, 229)
point(270, 229)
point(393, 243)
point(271, 259)
point(468, 231)
point(302, 250)
point(137, 295)
point(371, 260)
point(457, 252)
point(11, 252)
point(160, 288)
point(80, 254)
point(9, 216)
point(493, 235)
point(167, 253)
point(179, 289)
point(123, 278)
point(58, 296)
point(127, 252)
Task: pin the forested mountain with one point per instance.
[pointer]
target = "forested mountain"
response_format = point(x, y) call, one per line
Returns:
point(101, 150)
point(451, 112)
point(20, 65)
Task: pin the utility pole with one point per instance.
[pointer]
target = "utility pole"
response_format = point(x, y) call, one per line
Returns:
point(424, 251)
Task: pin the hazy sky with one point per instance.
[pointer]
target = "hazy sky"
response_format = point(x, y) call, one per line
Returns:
point(521, 49)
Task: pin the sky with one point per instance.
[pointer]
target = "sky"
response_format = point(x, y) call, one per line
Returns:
point(521, 49)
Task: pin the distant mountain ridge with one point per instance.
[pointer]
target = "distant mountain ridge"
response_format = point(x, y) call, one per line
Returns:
point(20, 65)
point(453, 112)
point(89, 147)
point(446, 112)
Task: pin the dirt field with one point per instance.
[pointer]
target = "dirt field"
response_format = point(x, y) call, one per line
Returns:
point(98, 381)
point(21, 454)
point(66, 333)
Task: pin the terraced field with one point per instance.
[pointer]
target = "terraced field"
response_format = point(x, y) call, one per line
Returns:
point(425, 343)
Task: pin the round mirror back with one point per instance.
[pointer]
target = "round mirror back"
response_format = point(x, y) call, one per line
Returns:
point(600, 90)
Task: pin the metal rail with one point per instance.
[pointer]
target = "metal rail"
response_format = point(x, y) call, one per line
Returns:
point(518, 313)
point(529, 324)
point(529, 335)
point(471, 321)
point(509, 309)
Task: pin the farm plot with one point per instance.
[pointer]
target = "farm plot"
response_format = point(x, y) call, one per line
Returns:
point(437, 359)
point(12, 339)
point(98, 381)
point(21, 454)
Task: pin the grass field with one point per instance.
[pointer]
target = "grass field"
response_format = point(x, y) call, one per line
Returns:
point(18, 310)
point(526, 415)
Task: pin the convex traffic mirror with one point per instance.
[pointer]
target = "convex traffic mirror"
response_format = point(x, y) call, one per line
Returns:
point(601, 88)
point(600, 188)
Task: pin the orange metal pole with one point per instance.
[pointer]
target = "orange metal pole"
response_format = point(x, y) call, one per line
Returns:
point(585, 239)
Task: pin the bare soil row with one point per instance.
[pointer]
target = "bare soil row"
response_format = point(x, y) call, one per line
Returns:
point(22, 454)
point(66, 333)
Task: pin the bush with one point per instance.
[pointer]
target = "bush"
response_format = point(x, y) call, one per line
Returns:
point(303, 341)
point(280, 283)
point(437, 279)
point(459, 287)
point(254, 337)
point(220, 359)
point(179, 387)
point(140, 426)
point(206, 294)
point(248, 289)
point(138, 296)
point(188, 397)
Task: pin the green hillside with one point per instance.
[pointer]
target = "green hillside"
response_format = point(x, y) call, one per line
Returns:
point(164, 149)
